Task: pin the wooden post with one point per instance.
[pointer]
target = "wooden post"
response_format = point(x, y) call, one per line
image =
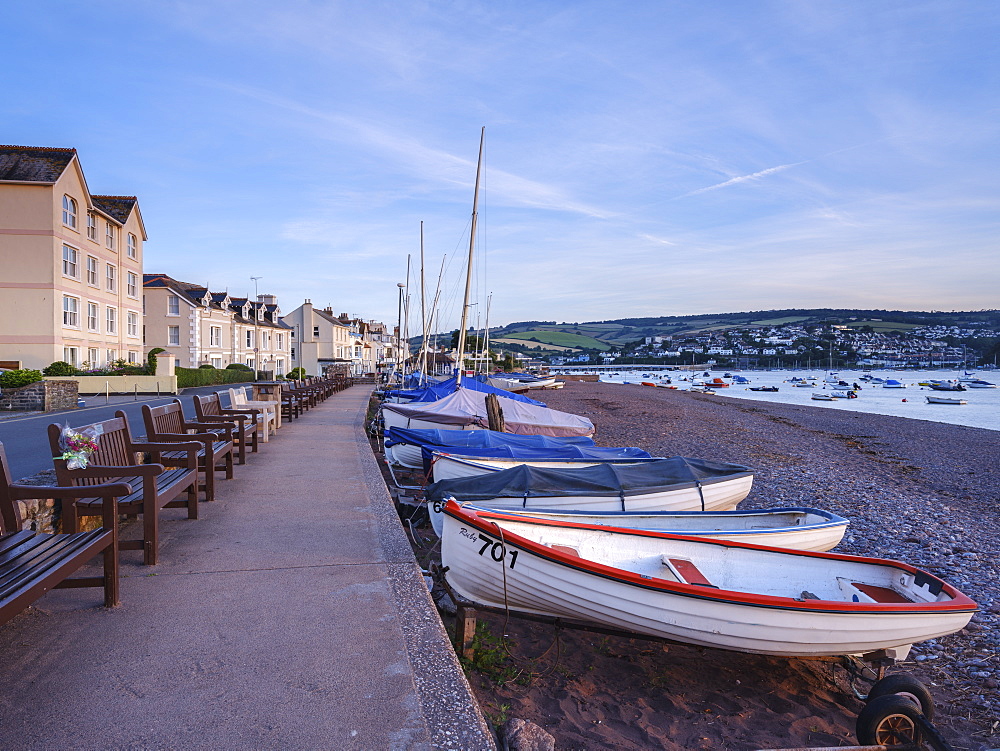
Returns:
point(465, 632)
point(494, 413)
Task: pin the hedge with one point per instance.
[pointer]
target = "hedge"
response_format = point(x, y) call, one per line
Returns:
point(188, 377)
point(15, 379)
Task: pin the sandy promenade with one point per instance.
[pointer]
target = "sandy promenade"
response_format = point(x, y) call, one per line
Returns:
point(922, 492)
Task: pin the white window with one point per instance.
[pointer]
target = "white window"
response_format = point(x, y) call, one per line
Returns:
point(279, 366)
point(173, 335)
point(71, 311)
point(316, 331)
point(92, 271)
point(112, 277)
point(112, 320)
point(250, 362)
point(249, 339)
point(131, 245)
point(112, 355)
point(217, 363)
point(93, 313)
point(69, 212)
point(71, 355)
point(279, 341)
point(93, 357)
point(92, 227)
point(132, 323)
point(132, 285)
point(265, 340)
point(215, 336)
point(70, 262)
point(109, 236)
point(173, 305)
point(133, 357)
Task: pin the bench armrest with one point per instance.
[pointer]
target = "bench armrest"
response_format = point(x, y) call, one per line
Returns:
point(105, 490)
point(141, 470)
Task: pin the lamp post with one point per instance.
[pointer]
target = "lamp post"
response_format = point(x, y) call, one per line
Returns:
point(399, 332)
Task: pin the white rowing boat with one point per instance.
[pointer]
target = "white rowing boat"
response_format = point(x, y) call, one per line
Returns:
point(448, 466)
point(674, 484)
point(944, 400)
point(726, 595)
point(793, 528)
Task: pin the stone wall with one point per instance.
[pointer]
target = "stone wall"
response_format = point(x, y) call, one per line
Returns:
point(44, 396)
point(44, 514)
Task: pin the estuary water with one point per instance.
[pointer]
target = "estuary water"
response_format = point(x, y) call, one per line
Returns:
point(982, 410)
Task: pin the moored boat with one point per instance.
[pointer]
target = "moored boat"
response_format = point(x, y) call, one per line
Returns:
point(793, 528)
point(945, 400)
point(450, 465)
point(717, 594)
point(819, 396)
point(674, 484)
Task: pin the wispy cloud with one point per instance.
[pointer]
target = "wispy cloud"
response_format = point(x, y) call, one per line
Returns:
point(742, 179)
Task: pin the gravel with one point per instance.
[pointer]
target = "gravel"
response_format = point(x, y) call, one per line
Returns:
point(917, 491)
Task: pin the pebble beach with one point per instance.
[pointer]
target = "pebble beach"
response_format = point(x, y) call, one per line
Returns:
point(918, 491)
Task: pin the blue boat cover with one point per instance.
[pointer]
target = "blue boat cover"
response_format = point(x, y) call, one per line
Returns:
point(463, 439)
point(437, 391)
point(621, 480)
point(554, 453)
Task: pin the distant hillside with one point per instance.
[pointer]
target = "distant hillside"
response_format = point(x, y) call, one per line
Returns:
point(613, 333)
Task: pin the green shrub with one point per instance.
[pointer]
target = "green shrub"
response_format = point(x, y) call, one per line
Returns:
point(188, 377)
point(59, 368)
point(206, 366)
point(297, 373)
point(238, 366)
point(15, 379)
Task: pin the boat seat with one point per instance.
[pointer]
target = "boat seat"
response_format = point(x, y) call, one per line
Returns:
point(564, 549)
point(880, 594)
point(686, 571)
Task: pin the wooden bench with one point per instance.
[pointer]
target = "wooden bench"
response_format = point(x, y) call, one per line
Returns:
point(166, 424)
point(32, 563)
point(209, 409)
point(293, 401)
point(270, 418)
point(153, 486)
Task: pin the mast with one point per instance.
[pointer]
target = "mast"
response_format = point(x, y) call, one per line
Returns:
point(423, 312)
point(468, 271)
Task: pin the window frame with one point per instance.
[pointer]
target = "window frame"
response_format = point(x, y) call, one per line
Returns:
point(71, 355)
point(109, 236)
point(96, 271)
point(173, 336)
point(111, 319)
point(132, 324)
point(173, 301)
point(132, 284)
point(70, 210)
point(92, 226)
point(215, 336)
point(96, 309)
point(71, 313)
point(74, 263)
point(111, 277)
point(131, 245)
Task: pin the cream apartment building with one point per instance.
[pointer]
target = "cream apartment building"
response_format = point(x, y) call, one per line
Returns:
point(70, 264)
point(201, 327)
point(321, 338)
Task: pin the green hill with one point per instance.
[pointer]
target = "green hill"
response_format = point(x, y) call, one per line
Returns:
point(559, 338)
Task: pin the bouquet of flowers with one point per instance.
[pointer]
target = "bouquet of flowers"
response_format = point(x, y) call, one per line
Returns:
point(78, 445)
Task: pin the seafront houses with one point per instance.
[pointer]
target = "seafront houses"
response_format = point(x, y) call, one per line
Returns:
point(201, 327)
point(320, 339)
point(70, 264)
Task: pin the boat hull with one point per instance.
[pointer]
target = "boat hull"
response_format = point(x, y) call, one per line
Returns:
point(716, 496)
point(558, 582)
point(451, 467)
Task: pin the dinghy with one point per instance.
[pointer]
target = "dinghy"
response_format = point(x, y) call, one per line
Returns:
point(793, 528)
point(725, 595)
point(674, 484)
point(447, 465)
point(466, 410)
point(821, 397)
point(412, 448)
point(945, 400)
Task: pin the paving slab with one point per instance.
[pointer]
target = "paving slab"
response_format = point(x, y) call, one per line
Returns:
point(291, 615)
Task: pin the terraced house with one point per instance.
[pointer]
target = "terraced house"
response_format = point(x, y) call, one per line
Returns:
point(201, 327)
point(70, 264)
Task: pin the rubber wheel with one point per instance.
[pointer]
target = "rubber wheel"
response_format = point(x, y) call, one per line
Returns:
point(908, 686)
point(889, 720)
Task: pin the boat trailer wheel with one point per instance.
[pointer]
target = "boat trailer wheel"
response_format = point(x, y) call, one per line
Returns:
point(904, 685)
point(890, 720)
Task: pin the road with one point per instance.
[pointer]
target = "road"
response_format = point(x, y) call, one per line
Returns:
point(26, 442)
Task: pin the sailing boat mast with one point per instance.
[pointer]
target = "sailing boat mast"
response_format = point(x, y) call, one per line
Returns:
point(423, 312)
point(468, 272)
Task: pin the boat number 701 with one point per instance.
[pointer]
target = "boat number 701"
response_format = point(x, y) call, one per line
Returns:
point(498, 550)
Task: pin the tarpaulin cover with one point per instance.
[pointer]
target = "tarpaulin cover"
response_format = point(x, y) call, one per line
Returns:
point(435, 391)
point(593, 453)
point(615, 480)
point(485, 439)
point(468, 407)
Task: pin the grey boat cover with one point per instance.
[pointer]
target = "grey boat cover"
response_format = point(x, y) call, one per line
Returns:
point(466, 407)
point(600, 480)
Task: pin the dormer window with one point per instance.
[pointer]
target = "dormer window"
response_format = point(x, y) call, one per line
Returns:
point(69, 211)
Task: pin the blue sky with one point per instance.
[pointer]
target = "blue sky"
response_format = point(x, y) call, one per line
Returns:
point(642, 158)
